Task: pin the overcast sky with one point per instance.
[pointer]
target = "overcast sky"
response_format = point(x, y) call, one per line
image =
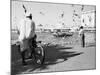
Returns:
point(48, 14)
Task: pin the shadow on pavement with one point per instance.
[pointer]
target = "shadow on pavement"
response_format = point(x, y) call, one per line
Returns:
point(53, 54)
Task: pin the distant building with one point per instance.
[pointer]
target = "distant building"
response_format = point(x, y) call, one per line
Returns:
point(88, 19)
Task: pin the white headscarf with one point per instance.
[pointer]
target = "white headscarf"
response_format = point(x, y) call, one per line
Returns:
point(27, 14)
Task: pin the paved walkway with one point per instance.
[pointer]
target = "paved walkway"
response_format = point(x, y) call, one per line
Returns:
point(77, 58)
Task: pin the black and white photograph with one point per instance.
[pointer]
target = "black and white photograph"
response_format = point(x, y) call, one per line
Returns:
point(52, 37)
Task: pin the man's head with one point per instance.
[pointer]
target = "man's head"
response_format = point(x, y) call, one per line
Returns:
point(27, 14)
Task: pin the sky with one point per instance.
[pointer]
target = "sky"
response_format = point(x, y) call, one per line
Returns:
point(48, 14)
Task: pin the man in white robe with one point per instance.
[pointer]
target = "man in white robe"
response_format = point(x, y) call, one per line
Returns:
point(26, 34)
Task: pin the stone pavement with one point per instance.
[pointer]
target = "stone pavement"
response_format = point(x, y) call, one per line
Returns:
point(82, 61)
